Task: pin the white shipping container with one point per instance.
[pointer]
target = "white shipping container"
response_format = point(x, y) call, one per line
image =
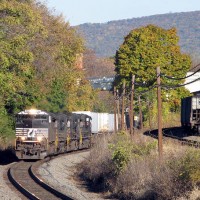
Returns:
point(193, 86)
point(111, 122)
point(101, 122)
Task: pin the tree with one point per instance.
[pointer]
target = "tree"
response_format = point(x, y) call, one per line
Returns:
point(19, 27)
point(38, 55)
point(97, 67)
point(146, 48)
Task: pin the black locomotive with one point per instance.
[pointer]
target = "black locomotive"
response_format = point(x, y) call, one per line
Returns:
point(40, 133)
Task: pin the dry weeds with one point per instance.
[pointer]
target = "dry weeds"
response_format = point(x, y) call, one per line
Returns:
point(144, 177)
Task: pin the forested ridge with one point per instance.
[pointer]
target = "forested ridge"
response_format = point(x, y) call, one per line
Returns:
point(105, 38)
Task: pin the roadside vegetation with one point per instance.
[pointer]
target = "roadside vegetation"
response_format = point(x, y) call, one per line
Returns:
point(128, 168)
point(39, 68)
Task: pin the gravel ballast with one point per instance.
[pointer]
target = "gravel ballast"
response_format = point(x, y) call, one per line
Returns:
point(6, 193)
point(60, 172)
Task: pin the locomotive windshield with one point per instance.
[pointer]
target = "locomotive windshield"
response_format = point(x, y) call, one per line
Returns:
point(32, 121)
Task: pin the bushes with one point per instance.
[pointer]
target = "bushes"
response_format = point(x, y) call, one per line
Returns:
point(98, 167)
point(121, 153)
point(178, 175)
point(6, 125)
point(129, 168)
point(125, 149)
point(188, 167)
point(133, 183)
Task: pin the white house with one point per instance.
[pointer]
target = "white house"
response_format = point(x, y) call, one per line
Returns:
point(195, 86)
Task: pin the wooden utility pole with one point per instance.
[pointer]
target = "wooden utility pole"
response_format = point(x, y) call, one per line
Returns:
point(115, 110)
point(131, 111)
point(149, 109)
point(140, 113)
point(118, 111)
point(123, 98)
point(160, 146)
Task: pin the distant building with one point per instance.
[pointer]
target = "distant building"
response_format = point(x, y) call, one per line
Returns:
point(195, 86)
point(104, 83)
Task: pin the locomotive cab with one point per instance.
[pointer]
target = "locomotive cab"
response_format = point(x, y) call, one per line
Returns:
point(32, 127)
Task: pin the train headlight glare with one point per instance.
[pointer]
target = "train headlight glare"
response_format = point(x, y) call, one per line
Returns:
point(23, 138)
point(39, 138)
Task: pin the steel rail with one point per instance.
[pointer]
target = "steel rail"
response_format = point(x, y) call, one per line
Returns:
point(183, 141)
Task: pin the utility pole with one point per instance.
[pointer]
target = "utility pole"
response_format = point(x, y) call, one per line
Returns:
point(123, 98)
point(118, 111)
point(131, 111)
point(115, 111)
point(149, 109)
point(160, 146)
point(140, 113)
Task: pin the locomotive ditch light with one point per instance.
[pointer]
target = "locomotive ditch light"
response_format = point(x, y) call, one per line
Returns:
point(23, 138)
point(39, 138)
point(32, 111)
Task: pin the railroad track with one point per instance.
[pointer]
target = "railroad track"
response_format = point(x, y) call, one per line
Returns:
point(170, 133)
point(24, 177)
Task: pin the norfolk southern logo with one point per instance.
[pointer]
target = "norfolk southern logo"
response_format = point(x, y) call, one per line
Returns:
point(32, 132)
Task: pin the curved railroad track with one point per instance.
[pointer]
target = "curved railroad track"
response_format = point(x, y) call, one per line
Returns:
point(24, 177)
point(178, 134)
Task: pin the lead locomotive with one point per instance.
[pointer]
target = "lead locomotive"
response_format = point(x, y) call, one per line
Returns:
point(40, 133)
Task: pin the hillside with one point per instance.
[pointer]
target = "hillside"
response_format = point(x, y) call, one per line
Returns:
point(105, 38)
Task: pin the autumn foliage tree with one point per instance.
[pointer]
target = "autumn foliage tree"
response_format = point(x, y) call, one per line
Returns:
point(97, 67)
point(38, 53)
point(146, 48)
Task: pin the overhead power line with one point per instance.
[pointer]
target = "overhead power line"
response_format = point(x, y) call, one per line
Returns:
point(181, 85)
point(181, 78)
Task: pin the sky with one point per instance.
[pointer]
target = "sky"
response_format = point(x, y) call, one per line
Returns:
point(77, 12)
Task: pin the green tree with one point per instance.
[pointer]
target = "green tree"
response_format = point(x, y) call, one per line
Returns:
point(6, 124)
point(38, 61)
point(19, 25)
point(146, 48)
point(149, 47)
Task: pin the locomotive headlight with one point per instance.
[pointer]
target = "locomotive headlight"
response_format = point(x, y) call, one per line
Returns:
point(23, 138)
point(39, 138)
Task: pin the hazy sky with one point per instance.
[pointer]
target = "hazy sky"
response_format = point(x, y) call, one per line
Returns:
point(100, 11)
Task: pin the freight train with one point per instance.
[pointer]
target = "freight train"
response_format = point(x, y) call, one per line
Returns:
point(190, 113)
point(40, 133)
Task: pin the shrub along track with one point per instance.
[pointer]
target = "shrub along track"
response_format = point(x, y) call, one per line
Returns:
point(178, 134)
